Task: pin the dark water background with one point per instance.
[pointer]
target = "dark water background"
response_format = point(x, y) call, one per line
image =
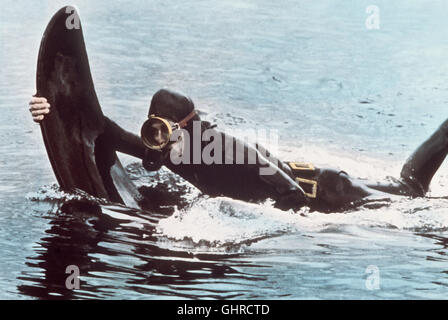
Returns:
point(338, 94)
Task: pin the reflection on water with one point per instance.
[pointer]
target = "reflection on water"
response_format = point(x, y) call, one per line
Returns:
point(115, 256)
point(232, 250)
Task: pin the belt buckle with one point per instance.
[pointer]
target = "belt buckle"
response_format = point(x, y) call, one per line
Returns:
point(313, 184)
point(301, 166)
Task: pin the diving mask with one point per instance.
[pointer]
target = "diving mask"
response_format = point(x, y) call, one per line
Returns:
point(156, 132)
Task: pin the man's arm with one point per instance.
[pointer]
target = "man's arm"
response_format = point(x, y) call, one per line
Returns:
point(122, 140)
point(282, 165)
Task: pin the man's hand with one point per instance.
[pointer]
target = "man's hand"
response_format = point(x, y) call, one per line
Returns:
point(39, 107)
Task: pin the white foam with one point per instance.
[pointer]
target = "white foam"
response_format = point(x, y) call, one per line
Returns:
point(223, 221)
point(54, 193)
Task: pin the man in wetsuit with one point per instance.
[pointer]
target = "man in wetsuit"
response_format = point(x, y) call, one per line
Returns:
point(292, 185)
point(238, 181)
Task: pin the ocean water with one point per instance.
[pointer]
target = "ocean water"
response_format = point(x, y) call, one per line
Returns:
point(338, 94)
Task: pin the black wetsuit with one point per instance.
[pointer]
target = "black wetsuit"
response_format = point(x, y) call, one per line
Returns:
point(335, 190)
point(238, 181)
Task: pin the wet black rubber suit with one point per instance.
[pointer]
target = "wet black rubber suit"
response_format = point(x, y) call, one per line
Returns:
point(335, 190)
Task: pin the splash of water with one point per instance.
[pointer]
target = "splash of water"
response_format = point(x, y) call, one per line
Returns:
point(221, 222)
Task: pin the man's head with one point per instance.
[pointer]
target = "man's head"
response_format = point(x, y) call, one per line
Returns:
point(169, 111)
point(170, 105)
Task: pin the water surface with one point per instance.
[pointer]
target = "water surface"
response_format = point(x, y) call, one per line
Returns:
point(338, 93)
